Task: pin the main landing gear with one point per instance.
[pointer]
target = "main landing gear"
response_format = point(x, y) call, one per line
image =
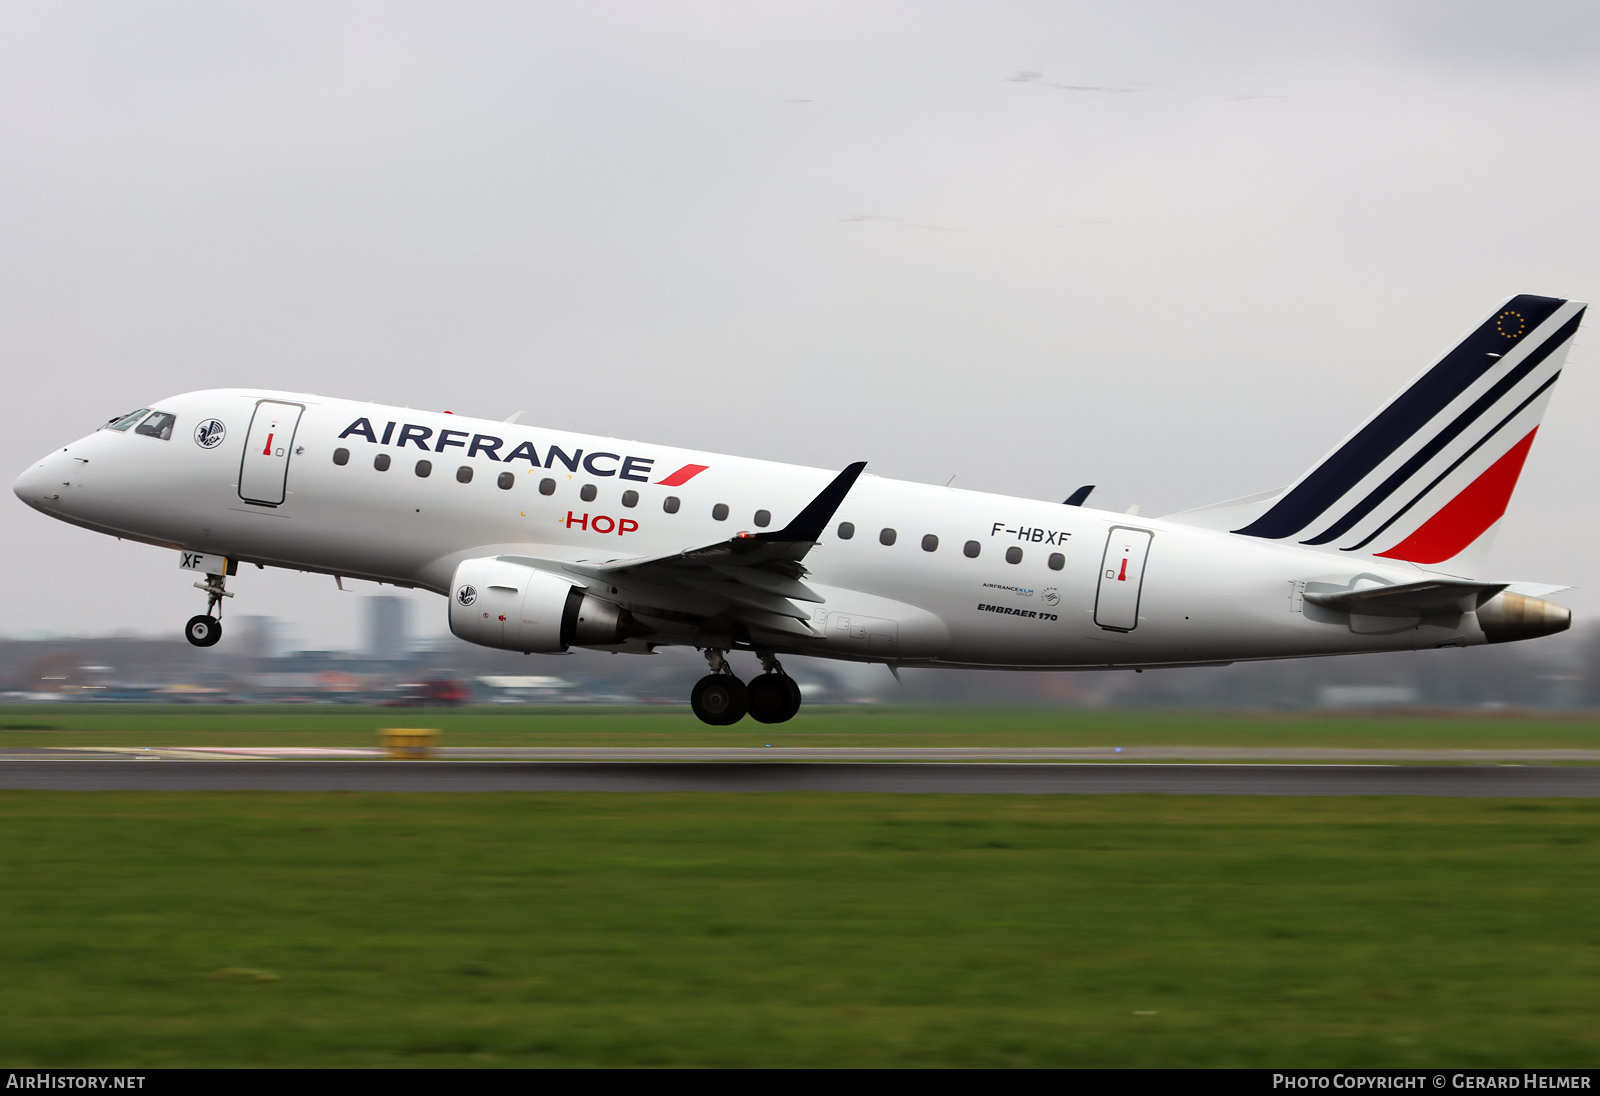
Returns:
point(721, 699)
point(206, 629)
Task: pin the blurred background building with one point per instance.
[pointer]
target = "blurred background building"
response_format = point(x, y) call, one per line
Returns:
point(386, 628)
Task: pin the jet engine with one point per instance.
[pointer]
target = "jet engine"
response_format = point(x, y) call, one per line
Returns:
point(500, 602)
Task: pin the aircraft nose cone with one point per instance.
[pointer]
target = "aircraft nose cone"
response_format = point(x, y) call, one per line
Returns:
point(40, 485)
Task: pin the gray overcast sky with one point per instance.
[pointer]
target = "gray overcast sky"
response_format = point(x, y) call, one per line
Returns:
point(899, 232)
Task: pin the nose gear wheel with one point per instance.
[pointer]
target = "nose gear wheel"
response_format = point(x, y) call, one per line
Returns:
point(203, 631)
point(206, 629)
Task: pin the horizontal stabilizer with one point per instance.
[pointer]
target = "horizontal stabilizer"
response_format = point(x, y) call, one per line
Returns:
point(1432, 598)
point(1536, 589)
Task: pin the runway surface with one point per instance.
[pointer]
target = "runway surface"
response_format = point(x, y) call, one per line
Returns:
point(830, 753)
point(105, 770)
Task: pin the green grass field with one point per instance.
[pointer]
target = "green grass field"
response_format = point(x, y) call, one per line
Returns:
point(288, 725)
point(146, 929)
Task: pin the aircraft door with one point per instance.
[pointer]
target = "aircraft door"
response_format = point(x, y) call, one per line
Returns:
point(1116, 606)
point(264, 472)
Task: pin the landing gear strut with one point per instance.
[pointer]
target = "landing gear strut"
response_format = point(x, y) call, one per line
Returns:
point(721, 699)
point(206, 629)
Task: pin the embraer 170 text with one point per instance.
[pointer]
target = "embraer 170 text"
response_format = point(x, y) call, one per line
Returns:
point(544, 540)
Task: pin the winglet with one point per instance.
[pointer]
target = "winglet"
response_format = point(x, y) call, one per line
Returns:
point(1078, 497)
point(809, 523)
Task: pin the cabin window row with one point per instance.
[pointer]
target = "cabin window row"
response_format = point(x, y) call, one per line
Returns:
point(671, 504)
point(547, 486)
point(930, 543)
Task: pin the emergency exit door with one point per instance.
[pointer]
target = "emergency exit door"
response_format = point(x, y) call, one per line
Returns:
point(1116, 606)
point(264, 473)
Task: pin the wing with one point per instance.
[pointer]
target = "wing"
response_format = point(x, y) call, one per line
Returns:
point(752, 579)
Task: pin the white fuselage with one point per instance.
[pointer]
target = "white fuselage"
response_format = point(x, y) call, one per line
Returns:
point(1087, 589)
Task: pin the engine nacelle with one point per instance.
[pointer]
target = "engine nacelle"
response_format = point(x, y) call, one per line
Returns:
point(497, 602)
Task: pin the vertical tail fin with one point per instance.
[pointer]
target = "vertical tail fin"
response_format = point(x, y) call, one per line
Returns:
point(1427, 478)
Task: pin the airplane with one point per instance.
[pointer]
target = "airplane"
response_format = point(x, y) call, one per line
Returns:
point(545, 540)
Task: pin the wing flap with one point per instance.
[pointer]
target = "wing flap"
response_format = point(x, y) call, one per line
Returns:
point(771, 582)
point(772, 622)
point(748, 597)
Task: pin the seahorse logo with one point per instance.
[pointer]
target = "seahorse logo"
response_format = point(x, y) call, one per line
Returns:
point(209, 434)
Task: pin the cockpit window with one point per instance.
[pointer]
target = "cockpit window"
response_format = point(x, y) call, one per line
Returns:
point(158, 425)
point(126, 420)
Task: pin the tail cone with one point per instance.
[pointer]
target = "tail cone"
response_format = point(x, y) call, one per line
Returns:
point(1509, 616)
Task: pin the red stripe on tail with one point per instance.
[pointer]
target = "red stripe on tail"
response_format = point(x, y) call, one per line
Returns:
point(1464, 518)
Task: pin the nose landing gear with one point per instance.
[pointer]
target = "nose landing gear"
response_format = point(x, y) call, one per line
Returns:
point(206, 629)
point(203, 631)
point(721, 699)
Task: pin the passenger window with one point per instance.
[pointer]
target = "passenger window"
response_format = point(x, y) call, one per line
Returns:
point(505, 480)
point(630, 498)
point(341, 456)
point(971, 549)
point(127, 420)
point(886, 537)
point(464, 474)
point(1013, 555)
point(547, 487)
point(589, 492)
point(381, 462)
point(424, 469)
point(847, 529)
point(158, 425)
point(719, 512)
point(1056, 561)
point(670, 504)
point(930, 543)
point(763, 518)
